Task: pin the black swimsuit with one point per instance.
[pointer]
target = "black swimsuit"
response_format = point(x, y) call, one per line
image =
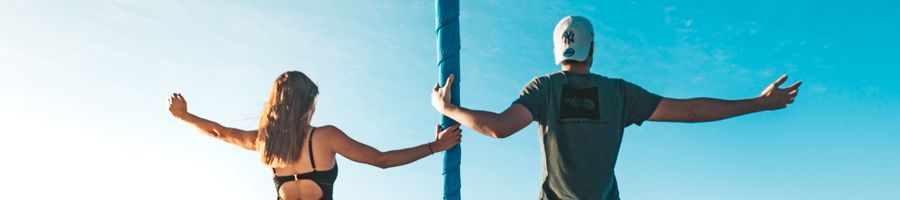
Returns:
point(325, 179)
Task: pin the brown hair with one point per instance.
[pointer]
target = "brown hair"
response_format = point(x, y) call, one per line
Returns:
point(285, 120)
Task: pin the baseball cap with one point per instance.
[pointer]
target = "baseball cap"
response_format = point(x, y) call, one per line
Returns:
point(572, 39)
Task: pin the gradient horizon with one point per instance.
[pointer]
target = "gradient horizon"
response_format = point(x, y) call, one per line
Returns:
point(85, 86)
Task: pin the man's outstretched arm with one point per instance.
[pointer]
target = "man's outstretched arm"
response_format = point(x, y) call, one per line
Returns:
point(710, 109)
point(491, 124)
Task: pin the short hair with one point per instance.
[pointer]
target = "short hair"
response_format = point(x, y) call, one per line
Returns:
point(569, 62)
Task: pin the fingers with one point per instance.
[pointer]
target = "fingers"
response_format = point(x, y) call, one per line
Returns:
point(437, 131)
point(437, 86)
point(453, 127)
point(176, 98)
point(794, 86)
point(793, 93)
point(173, 98)
point(793, 90)
point(449, 83)
point(448, 137)
point(780, 80)
point(457, 138)
point(450, 131)
point(454, 135)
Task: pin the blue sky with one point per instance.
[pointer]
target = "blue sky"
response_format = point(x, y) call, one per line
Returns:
point(86, 83)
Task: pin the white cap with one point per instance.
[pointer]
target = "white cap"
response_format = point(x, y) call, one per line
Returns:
point(572, 39)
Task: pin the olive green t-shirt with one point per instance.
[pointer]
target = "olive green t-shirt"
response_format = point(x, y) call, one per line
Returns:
point(581, 118)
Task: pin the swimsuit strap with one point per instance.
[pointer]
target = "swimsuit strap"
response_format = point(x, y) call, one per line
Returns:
point(312, 160)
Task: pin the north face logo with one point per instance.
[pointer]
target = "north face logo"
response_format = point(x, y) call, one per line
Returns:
point(568, 37)
point(579, 103)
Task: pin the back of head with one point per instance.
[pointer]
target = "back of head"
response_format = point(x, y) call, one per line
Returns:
point(285, 119)
point(573, 38)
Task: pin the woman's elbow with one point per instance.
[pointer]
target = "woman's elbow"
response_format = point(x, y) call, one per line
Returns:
point(382, 162)
point(383, 165)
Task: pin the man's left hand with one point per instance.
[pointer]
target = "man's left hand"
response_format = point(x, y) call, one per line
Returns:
point(774, 98)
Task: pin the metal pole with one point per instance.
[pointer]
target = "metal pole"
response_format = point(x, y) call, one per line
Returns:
point(447, 28)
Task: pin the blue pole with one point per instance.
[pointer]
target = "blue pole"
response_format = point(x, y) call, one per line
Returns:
point(447, 28)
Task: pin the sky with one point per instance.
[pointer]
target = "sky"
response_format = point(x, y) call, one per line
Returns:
point(85, 84)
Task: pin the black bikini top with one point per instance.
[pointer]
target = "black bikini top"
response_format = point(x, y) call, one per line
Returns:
point(325, 179)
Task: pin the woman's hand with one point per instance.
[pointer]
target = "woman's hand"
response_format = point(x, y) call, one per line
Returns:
point(447, 138)
point(178, 106)
point(241, 138)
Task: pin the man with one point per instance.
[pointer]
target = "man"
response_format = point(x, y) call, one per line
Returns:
point(581, 116)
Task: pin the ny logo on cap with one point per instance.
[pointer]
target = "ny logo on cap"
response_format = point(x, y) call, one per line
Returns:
point(568, 37)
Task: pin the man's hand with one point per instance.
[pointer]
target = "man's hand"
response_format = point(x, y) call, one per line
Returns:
point(178, 106)
point(440, 96)
point(774, 98)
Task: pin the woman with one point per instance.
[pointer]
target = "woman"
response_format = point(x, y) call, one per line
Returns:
point(302, 156)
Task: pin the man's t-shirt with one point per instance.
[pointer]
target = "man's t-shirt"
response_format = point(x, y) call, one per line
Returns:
point(581, 118)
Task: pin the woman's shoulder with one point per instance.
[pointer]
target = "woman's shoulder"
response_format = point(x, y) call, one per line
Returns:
point(331, 135)
point(327, 128)
point(329, 131)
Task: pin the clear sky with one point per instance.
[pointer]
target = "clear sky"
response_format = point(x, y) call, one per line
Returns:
point(85, 83)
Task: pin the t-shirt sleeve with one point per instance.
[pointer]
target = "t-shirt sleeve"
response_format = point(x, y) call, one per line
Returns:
point(639, 104)
point(531, 97)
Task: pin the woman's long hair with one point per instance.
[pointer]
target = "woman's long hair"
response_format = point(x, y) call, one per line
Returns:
point(285, 120)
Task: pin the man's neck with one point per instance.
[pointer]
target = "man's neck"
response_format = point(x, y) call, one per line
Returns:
point(580, 68)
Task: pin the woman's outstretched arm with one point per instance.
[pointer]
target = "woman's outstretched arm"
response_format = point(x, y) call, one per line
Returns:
point(362, 153)
point(241, 138)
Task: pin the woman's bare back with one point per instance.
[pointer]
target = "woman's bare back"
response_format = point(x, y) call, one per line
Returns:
point(324, 160)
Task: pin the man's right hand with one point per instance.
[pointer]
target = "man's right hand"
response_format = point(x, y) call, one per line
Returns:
point(440, 96)
point(774, 98)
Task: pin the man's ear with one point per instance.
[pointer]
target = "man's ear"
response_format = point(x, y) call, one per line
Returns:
point(591, 52)
point(590, 58)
